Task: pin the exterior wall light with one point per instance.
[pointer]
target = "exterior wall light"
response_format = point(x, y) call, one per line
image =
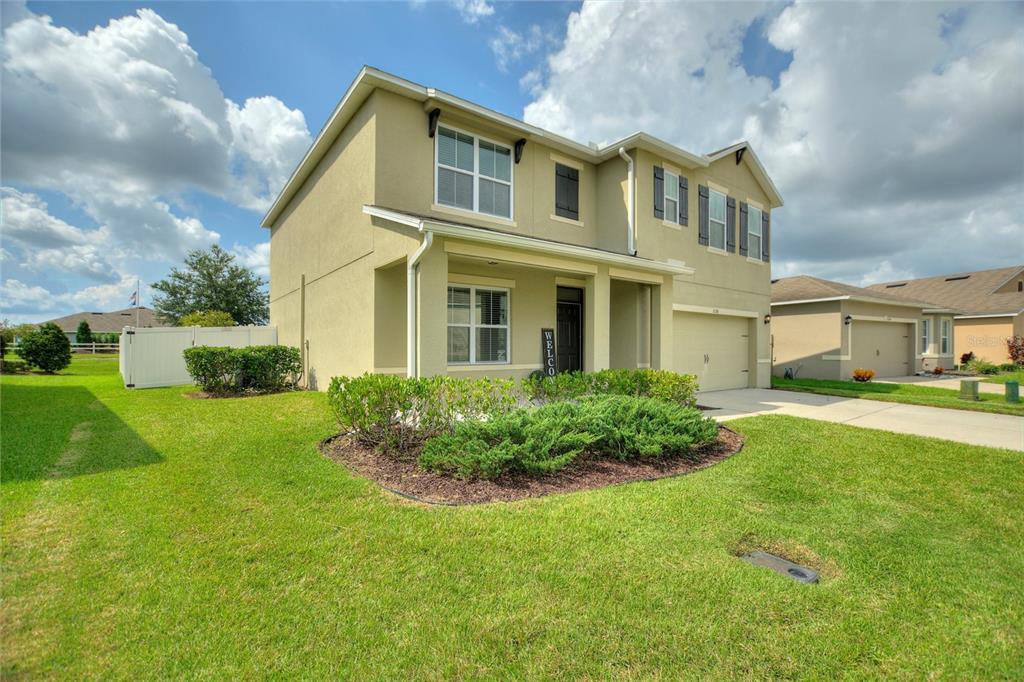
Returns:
point(847, 320)
point(767, 318)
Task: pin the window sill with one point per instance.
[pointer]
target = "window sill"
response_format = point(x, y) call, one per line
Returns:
point(669, 223)
point(464, 366)
point(755, 260)
point(567, 221)
point(483, 217)
point(717, 251)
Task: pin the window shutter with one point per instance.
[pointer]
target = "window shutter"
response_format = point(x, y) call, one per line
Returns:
point(684, 201)
point(743, 229)
point(659, 192)
point(765, 236)
point(567, 192)
point(702, 217)
point(730, 224)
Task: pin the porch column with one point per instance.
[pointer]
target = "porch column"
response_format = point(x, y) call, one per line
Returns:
point(596, 306)
point(661, 324)
point(432, 309)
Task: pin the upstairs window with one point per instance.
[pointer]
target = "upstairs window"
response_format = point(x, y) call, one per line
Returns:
point(753, 228)
point(671, 197)
point(716, 220)
point(944, 338)
point(477, 325)
point(926, 333)
point(567, 192)
point(473, 174)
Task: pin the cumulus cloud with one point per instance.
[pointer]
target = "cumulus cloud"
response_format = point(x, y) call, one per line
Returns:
point(256, 258)
point(473, 11)
point(510, 46)
point(895, 134)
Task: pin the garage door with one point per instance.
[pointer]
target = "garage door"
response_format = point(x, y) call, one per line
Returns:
point(883, 347)
point(714, 347)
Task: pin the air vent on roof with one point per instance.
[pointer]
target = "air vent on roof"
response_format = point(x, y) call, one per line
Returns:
point(895, 286)
point(957, 278)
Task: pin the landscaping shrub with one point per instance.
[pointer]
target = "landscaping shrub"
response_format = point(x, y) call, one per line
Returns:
point(979, 366)
point(207, 318)
point(863, 375)
point(938, 371)
point(1008, 367)
point(84, 334)
point(1015, 349)
point(653, 383)
point(222, 370)
point(545, 439)
point(11, 366)
point(397, 412)
point(966, 357)
point(47, 348)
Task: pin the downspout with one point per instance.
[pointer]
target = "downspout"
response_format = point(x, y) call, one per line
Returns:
point(410, 304)
point(631, 201)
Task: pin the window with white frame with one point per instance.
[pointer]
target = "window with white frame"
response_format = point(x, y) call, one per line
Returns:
point(926, 334)
point(716, 220)
point(754, 232)
point(671, 197)
point(472, 173)
point(477, 325)
point(944, 338)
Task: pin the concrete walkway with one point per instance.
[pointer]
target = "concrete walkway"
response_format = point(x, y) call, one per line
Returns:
point(975, 428)
point(951, 383)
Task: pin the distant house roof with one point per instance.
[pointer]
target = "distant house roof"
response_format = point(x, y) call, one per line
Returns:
point(805, 289)
point(109, 322)
point(972, 293)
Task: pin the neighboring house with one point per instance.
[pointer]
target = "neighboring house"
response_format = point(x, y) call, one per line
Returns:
point(824, 330)
point(991, 305)
point(106, 323)
point(423, 234)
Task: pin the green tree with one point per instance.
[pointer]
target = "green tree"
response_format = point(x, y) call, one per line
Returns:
point(207, 318)
point(84, 333)
point(48, 348)
point(211, 280)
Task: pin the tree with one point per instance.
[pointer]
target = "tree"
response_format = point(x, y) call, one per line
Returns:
point(6, 336)
point(84, 333)
point(211, 280)
point(207, 318)
point(48, 348)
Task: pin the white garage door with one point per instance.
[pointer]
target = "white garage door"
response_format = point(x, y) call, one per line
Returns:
point(883, 347)
point(714, 347)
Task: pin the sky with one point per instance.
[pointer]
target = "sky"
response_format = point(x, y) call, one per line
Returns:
point(132, 133)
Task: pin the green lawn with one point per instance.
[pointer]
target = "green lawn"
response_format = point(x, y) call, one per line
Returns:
point(912, 394)
point(147, 535)
point(1003, 378)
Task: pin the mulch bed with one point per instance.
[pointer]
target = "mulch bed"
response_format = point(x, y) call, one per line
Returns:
point(404, 477)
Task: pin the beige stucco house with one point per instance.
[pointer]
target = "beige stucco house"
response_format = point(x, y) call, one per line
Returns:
point(423, 234)
point(824, 330)
point(991, 305)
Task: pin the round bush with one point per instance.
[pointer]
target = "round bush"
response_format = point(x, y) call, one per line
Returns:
point(47, 348)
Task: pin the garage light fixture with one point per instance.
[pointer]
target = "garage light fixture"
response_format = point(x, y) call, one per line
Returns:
point(847, 320)
point(767, 318)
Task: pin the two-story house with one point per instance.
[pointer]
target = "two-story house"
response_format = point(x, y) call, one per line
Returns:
point(423, 234)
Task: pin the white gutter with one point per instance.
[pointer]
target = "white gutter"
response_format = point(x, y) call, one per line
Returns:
point(411, 370)
point(631, 201)
point(981, 317)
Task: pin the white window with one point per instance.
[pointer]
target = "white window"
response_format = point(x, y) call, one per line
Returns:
point(716, 222)
point(753, 232)
point(944, 338)
point(472, 173)
point(926, 334)
point(477, 325)
point(671, 197)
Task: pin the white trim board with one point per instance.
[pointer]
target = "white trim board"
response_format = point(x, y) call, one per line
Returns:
point(708, 310)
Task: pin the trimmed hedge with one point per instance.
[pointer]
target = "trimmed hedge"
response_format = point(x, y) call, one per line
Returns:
point(545, 439)
point(652, 383)
point(222, 370)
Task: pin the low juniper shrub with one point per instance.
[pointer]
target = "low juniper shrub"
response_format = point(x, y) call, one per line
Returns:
point(652, 383)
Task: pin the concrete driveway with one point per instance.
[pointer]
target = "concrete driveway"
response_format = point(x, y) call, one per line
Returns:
point(975, 428)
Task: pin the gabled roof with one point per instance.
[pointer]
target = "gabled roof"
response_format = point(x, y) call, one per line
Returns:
point(370, 79)
point(807, 289)
point(108, 322)
point(970, 292)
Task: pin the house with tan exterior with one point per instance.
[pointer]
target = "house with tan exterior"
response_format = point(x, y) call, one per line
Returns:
point(824, 330)
point(423, 234)
point(991, 305)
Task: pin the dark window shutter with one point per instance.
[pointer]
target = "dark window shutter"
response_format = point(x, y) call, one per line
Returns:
point(659, 192)
point(744, 247)
point(730, 224)
point(765, 235)
point(567, 192)
point(684, 201)
point(702, 215)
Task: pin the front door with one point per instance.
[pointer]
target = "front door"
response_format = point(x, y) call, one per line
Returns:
point(569, 330)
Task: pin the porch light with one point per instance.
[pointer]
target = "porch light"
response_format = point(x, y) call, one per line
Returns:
point(847, 320)
point(767, 318)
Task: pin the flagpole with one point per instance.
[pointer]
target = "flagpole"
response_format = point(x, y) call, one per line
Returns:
point(136, 303)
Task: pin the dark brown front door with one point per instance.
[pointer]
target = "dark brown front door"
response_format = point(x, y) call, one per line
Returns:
point(569, 330)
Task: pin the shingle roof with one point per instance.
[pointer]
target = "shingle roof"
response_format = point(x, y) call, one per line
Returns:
point(807, 288)
point(969, 292)
point(109, 322)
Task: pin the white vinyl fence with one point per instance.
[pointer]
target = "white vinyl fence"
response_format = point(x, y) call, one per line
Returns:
point(154, 356)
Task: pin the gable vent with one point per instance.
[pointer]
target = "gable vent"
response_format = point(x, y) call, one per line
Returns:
point(895, 286)
point(957, 278)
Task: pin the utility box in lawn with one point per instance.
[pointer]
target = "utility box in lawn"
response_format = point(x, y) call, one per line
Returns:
point(1013, 391)
point(969, 389)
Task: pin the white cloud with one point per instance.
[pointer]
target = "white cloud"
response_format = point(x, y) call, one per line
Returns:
point(256, 258)
point(510, 46)
point(473, 11)
point(895, 135)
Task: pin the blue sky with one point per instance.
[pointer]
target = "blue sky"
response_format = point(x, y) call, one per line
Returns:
point(823, 91)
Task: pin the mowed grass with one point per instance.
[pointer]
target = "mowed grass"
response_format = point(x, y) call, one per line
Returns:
point(148, 535)
point(1003, 378)
point(911, 394)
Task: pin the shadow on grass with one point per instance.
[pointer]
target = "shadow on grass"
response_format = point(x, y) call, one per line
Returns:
point(41, 424)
